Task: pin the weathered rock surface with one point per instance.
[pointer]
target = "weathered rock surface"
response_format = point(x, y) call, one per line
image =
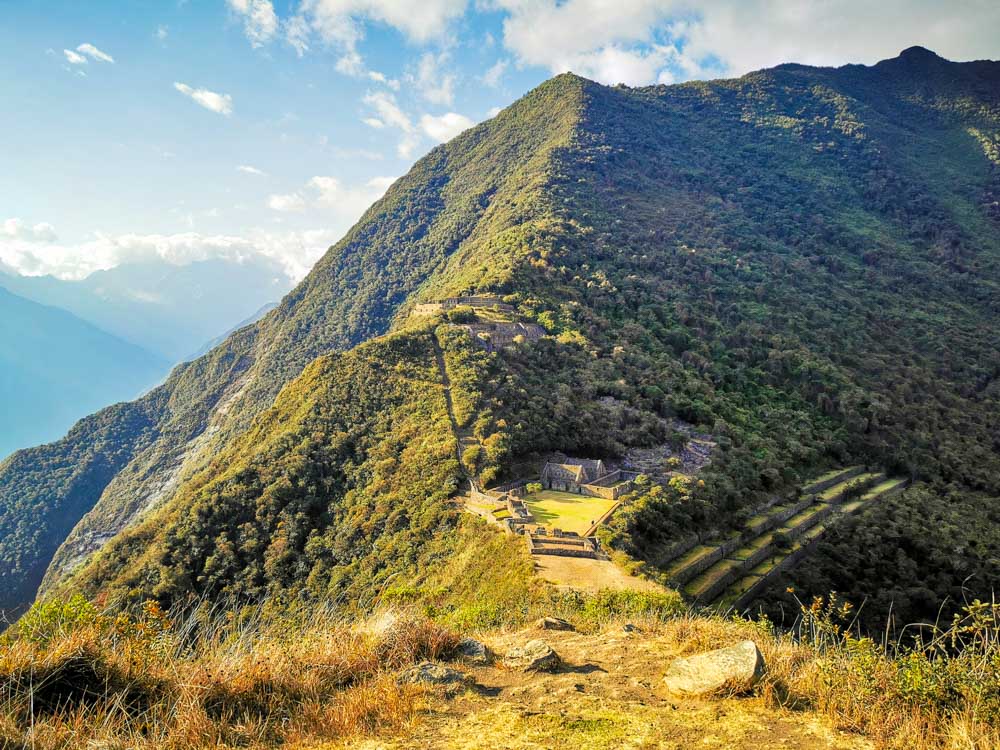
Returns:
point(428, 673)
point(553, 623)
point(735, 669)
point(534, 656)
point(474, 652)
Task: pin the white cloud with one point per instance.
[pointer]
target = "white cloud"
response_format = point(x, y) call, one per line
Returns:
point(389, 113)
point(296, 252)
point(597, 39)
point(260, 22)
point(292, 202)
point(329, 192)
point(352, 64)
point(247, 169)
point(440, 128)
point(380, 184)
point(323, 191)
point(373, 122)
point(494, 111)
point(445, 127)
point(18, 230)
point(341, 25)
point(73, 58)
point(220, 103)
point(648, 41)
point(95, 54)
point(297, 34)
point(492, 76)
point(432, 81)
point(34, 250)
point(340, 21)
point(161, 33)
point(750, 36)
point(388, 110)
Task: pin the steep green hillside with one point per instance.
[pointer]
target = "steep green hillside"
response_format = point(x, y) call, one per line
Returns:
point(466, 192)
point(56, 368)
point(338, 486)
point(802, 262)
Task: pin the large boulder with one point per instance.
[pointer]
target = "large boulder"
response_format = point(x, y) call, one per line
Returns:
point(533, 656)
point(735, 669)
point(474, 652)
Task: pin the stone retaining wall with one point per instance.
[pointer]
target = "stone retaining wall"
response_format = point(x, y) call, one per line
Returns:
point(816, 488)
point(678, 549)
point(693, 571)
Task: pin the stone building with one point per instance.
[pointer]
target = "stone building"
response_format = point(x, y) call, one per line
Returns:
point(571, 474)
point(585, 476)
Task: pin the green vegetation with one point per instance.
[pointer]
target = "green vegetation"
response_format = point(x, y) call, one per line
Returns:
point(567, 511)
point(77, 675)
point(800, 262)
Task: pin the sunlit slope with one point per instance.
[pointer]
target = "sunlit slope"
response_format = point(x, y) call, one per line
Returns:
point(801, 262)
point(466, 192)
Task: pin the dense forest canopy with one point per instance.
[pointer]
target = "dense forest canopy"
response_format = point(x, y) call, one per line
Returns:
point(802, 262)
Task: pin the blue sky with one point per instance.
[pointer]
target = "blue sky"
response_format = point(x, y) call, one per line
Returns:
point(239, 128)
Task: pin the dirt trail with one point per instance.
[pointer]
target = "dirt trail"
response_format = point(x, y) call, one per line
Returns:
point(606, 695)
point(463, 438)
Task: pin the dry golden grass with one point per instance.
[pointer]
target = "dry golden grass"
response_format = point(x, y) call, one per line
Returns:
point(150, 681)
point(73, 677)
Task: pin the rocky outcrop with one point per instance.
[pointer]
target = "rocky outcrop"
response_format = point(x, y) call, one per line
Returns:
point(534, 656)
point(726, 670)
point(429, 673)
point(474, 652)
point(553, 623)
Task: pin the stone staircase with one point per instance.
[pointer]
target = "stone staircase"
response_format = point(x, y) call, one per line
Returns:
point(564, 545)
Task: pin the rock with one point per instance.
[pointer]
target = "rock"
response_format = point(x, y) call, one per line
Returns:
point(735, 669)
point(474, 652)
point(534, 656)
point(553, 623)
point(428, 673)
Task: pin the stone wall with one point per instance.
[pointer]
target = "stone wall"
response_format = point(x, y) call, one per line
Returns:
point(431, 308)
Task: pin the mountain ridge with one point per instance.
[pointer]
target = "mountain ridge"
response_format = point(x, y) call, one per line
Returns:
point(690, 250)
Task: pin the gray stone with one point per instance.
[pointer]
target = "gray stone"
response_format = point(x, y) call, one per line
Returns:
point(553, 623)
point(428, 673)
point(474, 652)
point(726, 670)
point(534, 656)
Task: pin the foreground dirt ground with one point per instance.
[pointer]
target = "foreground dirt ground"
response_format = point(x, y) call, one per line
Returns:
point(584, 574)
point(606, 695)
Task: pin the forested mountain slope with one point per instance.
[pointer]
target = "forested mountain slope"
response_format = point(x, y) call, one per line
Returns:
point(802, 262)
point(55, 368)
point(469, 190)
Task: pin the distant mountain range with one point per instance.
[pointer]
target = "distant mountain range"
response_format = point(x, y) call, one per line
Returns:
point(170, 310)
point(210, 345)
point(56, 368)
